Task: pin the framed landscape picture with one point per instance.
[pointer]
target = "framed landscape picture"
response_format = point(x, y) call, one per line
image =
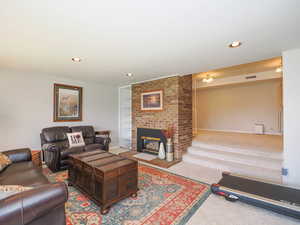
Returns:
point(152, 101)
point(67, 103)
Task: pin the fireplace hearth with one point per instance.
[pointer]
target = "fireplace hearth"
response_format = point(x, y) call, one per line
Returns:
point(148, 140)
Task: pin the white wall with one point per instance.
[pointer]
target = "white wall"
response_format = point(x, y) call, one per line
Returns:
point(291, 103)
point(26, 106)
point(239, 107)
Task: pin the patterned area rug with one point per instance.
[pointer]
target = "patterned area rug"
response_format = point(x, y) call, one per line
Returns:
point(163, 199)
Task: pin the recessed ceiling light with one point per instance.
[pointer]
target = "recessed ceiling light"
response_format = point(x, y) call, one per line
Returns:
point(278, 70)
point(129, 74)
point(76, 59)
point(235, 44)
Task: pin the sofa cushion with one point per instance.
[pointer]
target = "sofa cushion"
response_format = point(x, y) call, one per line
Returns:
point(87, 131)
point(62, 144)
point(89, 140)
point(4, 161)
point(74, 150)
point(93, 147)
point(23, 173)
point(55, 134)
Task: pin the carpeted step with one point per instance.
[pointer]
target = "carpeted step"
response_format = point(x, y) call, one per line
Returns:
point(235, 167)
point(251, 160)
point(239, 150)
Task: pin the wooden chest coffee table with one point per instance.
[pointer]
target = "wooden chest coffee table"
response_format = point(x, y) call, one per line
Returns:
point(104, 177)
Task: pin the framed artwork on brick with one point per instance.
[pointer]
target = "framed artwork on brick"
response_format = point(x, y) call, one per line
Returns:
point(152, 100)
point(67, 103)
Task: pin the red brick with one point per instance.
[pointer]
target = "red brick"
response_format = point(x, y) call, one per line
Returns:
point(177, 110)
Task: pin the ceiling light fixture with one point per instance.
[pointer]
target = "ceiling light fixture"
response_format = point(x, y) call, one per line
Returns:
point(278, 70)
point(207, 79)
point(235, 44)
point(76, 59)
point(129, 75)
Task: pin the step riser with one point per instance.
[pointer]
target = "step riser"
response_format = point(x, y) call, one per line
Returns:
point(268, 164)
point(257, 153)
point(267, 174)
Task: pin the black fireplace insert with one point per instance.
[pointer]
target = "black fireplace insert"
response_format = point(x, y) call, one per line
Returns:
point(148, 140)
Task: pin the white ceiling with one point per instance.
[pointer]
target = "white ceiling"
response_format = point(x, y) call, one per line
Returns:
point(147, 38)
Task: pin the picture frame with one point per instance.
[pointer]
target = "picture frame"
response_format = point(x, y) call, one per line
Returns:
point(152, 100)
point(67, 105)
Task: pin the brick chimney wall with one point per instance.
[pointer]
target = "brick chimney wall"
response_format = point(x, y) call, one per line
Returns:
point(177, 110)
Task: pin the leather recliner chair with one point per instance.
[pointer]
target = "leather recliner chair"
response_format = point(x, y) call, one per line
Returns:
point(55, 145)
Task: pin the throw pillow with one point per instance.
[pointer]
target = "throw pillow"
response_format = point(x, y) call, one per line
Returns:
point(4, 161)
point(8, 190)
point(75, 139)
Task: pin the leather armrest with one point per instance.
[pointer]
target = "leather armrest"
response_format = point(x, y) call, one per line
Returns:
point(102, 140)
point(50, 147)
point(105, 141)
point(52, 156)
point(24, 207)
point(19, 155)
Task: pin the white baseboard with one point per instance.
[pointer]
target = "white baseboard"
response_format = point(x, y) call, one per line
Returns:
point(239, 131)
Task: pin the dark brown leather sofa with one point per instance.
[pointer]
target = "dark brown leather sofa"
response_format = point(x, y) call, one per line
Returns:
point(44, 204)
point(56, 149)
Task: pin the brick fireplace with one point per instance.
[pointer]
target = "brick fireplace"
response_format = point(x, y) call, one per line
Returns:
point(177, 110)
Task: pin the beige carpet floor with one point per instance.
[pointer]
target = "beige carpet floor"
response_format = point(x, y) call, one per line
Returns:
point(217, 211)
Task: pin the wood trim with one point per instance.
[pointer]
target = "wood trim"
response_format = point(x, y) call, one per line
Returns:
point(68, 86)
point(152, 110)
point(154, 90)
point(56, 86)
point(246, 68)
